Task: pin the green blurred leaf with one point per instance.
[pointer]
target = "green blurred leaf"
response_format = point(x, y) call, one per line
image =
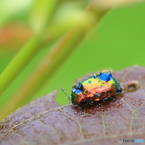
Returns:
point(10, 9)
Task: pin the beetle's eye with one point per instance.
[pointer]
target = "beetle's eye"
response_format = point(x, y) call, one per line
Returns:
point(79, 86)
point(73, 89)
point(76, 91)
point(105, 75)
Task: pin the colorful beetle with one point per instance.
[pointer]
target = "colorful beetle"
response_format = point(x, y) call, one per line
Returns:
point(99, 87)
point(95, 88)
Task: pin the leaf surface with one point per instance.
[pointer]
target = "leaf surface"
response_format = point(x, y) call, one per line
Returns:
point(44, 122)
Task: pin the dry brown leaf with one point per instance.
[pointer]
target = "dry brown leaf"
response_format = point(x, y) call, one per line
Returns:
point(44, 122)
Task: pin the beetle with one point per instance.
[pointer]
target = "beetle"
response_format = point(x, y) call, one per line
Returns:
point(98, 87)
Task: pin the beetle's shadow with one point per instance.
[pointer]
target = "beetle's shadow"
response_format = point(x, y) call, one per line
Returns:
point(102, 105)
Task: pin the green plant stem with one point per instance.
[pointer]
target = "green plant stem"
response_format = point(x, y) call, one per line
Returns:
point(29, 51)
point(41, 14)
point(19, 62)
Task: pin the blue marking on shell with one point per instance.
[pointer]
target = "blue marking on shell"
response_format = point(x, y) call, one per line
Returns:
point(89, 82)
point(104, 76)
point(78, 91)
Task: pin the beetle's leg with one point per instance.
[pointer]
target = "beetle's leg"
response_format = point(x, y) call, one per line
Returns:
point(99, 105)
point(130, 86)
point(105, 99)
point(115, 100)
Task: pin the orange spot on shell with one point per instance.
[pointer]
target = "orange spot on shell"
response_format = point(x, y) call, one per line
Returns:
point(98, 99)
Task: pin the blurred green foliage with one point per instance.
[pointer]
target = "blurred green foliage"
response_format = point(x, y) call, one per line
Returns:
point(116, 43)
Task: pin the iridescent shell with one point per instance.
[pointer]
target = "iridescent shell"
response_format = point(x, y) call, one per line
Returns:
point(95, 88)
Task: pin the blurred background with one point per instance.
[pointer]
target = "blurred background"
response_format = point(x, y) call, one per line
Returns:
point(117, 42)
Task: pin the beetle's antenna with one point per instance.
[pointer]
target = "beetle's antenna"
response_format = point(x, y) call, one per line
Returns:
point(65, 94)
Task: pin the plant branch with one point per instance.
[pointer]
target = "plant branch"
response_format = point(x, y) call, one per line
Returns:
point(52, 61)
point(27, 53)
